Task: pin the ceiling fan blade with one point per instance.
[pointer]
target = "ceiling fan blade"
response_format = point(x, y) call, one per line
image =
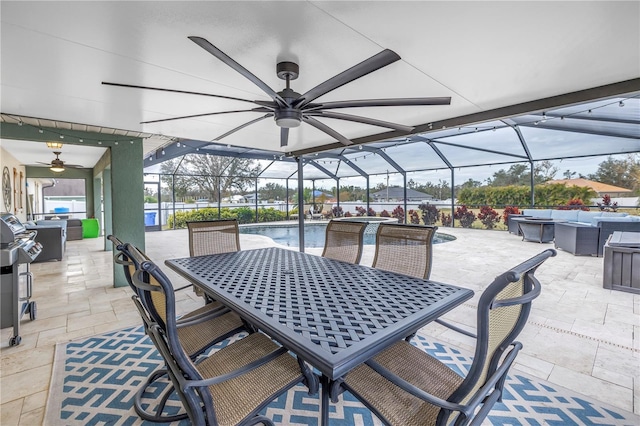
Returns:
point(380, 103)
point(239, 68)
point(242, 126)
point(133, 86)
point(261, 109)
point(46, 164)
point(365, 67)
point(359, 119)
point(284, 136)
point(326, 129)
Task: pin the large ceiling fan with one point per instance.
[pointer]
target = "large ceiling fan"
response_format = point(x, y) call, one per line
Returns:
point(58, 166)
point(290, 108)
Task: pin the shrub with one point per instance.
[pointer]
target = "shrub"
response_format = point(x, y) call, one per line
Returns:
point(337, 211)
point(429, 213)
point(606, 204)
point(270, 215)
point(445, 219)
point(371, 212)
point(398, 213)
point(384, 213)
point(488, 216)
point(414, 217)
point(574, 204)
point(465, 216)
point(507, 211)
point(361, 211)
point(348, 214)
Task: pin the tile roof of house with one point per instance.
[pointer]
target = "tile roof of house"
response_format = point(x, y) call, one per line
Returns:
point(596, 186)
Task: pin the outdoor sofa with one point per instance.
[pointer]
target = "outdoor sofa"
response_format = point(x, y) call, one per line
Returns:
point(582, 232)
point(52, 234)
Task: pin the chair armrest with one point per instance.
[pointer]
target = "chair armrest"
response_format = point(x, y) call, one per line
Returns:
point(455, 328)
point(238, 372)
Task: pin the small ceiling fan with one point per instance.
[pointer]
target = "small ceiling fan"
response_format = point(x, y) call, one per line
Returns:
point(58, 166)
point(289, 108)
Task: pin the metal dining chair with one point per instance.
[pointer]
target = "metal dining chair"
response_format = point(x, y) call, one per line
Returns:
point(212, 237)
point(404, 249)
point(343, 240)
point(198, 330)
point(406, 386)
point(231, 385)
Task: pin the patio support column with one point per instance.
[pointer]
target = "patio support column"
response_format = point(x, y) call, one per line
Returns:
point(256, 195)
point(97, 205)
point(338, 192)
point(404, 178)
point(219, 196)
point(533, 195)
point(173, 199)
point(128, 204)
point(300, 205)
point(286, 198)
point(107, 225)
point(313, 194)
point(453, 193)
point(368, 193)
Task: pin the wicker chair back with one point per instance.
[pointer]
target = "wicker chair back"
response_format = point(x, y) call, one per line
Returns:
point(213, 237)
point(405, 249)
point(343, 240)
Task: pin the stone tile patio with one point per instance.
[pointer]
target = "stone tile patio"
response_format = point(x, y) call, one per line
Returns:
point(580, 336)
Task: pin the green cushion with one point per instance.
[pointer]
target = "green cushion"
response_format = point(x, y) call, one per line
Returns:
point(90, 228)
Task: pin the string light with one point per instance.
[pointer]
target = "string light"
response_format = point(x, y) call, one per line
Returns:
point(621, 104)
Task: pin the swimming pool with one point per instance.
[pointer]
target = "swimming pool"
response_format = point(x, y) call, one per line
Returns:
point(314, 233)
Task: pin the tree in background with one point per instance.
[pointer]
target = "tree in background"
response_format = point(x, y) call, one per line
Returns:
point(624, 172)
point(201, 175)
point(273, 191)
point(520, 174)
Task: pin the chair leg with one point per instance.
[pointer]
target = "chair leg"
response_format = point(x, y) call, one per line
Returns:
point(156, 417)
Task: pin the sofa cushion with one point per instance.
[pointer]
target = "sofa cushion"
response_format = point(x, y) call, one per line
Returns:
point(568, 215)
point(585, 217)
point(596, 220)
point(614, 214)
point(544, 213)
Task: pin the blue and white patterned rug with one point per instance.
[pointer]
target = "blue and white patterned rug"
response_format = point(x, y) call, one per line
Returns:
point(95, 379)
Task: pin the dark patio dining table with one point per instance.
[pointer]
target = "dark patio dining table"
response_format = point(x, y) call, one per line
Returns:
point(331, 314)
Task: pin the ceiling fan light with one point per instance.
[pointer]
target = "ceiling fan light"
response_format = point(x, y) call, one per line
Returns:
point(288, 118)
point(56, 169)
point(54, 145)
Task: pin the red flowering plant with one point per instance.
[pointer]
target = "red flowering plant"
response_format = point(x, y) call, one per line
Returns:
point(488, 216)
point(465, 216)
point(574, 204)
point(445, 219)
point(414, 217)
point(371, 212)
point(361, 211)
point(606, 205)
point(398, 213)
point(384, 213)
point(429, 213)
point(507, 211)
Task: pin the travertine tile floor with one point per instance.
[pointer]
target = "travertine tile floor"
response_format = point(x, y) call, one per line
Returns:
point(579, 335)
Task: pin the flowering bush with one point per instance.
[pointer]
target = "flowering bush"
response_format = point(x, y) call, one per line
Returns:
point(414, 217)
point(488, 216)
point(371, 212)
point(465, 216)
point(445, 219)
point(348, 214)
point(429, 213)
point(574, 204)
point(361, 211)
point(398, 213)
point(384, 213)
point(507, 211)
point(337, 211)
point(606, 204)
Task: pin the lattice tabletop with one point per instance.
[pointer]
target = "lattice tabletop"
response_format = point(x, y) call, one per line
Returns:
point(331, 305)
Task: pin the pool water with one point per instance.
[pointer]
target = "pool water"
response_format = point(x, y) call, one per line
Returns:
point(314, 234)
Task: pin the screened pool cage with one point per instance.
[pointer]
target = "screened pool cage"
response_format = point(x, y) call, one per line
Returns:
point(575, 138)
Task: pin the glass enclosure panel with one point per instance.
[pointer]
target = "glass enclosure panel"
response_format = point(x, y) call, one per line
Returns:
point(503, 140)
point(415, 156)
point(460, 157)
point(550, 144)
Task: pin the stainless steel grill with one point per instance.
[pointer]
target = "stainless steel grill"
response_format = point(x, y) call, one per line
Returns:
point(18, 249)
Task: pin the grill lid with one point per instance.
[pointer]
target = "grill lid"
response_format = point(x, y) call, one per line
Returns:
point(10, 229)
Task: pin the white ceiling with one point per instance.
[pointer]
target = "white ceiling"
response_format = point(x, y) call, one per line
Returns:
point(34, 153)
point(484, 55)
